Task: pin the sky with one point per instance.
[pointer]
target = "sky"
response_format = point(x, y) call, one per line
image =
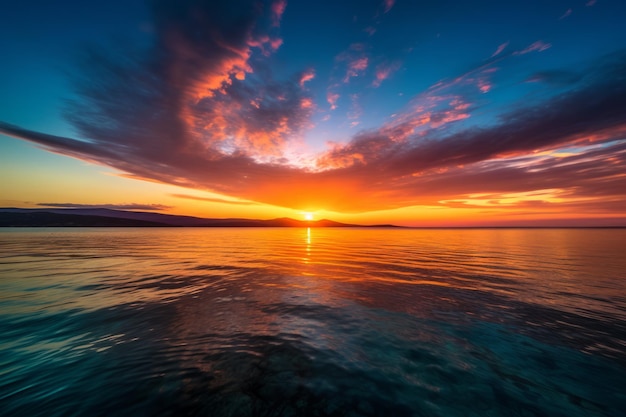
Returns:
point(417, 113)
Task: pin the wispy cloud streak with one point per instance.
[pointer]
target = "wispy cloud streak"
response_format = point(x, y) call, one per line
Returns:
point(566, 14)
point(500, 48)
point(538, 46)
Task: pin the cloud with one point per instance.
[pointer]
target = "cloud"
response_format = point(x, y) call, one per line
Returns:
point(256, 118)
point(566, 14)
point(500, 48)
point(384, 71)
point(332, 98)
point(131, 206)
point(484, 85)
point(356, 111)
point(266, 44)
point(196, 89)
point(538, 46)
point(214, 200)
point(307, 75)
point(388, 4)
point(355, 67)
point(584, 182)
point(278, 8)
point(355, 59)
point(370, 30)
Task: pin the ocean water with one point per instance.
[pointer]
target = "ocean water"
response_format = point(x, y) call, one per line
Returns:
point(312, 322)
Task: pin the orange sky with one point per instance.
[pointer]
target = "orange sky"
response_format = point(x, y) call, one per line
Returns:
point(216, 111)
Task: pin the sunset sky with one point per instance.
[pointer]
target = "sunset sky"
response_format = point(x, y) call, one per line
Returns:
point(425, 113)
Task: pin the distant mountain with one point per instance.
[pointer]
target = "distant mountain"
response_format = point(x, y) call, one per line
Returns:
point(47, 219)
point(162, 219)
point(94, 217)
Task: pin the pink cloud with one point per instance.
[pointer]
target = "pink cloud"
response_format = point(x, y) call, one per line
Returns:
point(538, 46)
point(355, 60)
point(388, 4)
point(278, 8)
point(591, 3)
point(307, 75)
point(448, 116)
point(307, 103)
point(384, 71)
point(355, 68)
point(500, 48)
point(484, 85)
point(355, 111)
point(428, 112)
point(357, 46)
point(266, 44)
point(332, 98)
point(566, 14)
point(359, 64)
point(275, 43)
point(370, 30)
point(261, 125)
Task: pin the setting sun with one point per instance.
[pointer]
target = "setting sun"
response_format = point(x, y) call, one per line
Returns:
point(308, 216)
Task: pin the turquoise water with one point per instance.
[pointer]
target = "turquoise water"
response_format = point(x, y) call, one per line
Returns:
point(312, 322)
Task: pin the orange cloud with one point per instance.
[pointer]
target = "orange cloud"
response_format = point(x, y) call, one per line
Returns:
point(306, 103)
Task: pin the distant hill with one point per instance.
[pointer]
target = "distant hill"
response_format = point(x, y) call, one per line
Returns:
point(95, 217)
point(46, 219)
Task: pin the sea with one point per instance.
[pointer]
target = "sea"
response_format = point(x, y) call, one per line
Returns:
point(312, 322)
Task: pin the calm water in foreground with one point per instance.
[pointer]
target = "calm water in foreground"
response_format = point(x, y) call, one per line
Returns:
point(318, 322)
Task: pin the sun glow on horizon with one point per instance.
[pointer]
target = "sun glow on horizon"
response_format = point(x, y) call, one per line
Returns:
point(308, 216)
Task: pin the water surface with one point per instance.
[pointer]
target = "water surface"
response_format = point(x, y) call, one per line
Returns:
point(312, 322)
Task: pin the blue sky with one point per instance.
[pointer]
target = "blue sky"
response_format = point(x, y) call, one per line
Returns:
point(351, 107)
